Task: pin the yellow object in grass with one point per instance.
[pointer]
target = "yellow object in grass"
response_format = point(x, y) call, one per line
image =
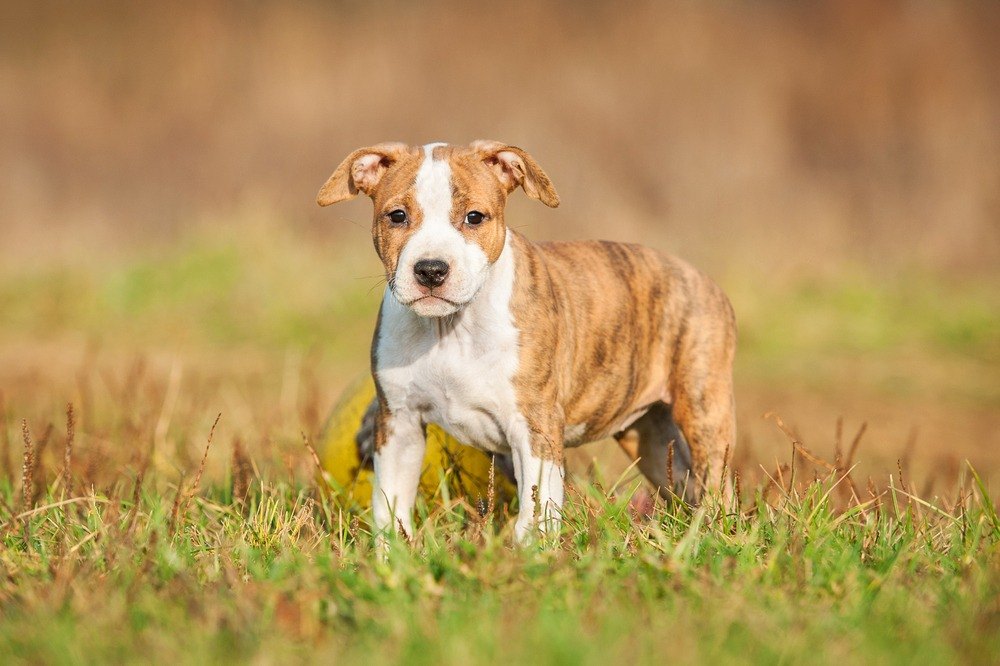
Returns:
point(451, 469)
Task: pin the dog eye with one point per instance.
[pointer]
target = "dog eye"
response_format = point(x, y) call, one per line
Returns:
point(397, 216)
point(474, 218)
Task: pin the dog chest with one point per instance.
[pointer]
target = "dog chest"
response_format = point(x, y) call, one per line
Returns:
point(468, 396)
point(458, 376)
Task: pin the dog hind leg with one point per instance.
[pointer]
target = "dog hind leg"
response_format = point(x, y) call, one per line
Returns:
point(704, 409)
point(663, 454)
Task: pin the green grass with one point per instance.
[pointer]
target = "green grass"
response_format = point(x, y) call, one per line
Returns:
point(859, 313)
point(290, 576)
point(909, 336)
point(263, 285)
point(802, 575)
point(212, 291)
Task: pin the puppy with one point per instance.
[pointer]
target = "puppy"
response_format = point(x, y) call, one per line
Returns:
point(523, 348)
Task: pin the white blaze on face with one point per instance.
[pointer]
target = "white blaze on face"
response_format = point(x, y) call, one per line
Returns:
point(437, 238)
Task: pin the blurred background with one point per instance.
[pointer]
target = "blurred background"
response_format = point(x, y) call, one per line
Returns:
point(835, 166)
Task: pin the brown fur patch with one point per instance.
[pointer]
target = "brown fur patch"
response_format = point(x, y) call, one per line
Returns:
point(474, 188)
point(609, 329)
point(395, 192)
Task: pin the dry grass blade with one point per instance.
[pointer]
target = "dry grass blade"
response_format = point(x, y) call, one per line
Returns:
point(320, 470)
point(775, 481)
point(798, 446)
point(55, 505)
point(874, 494)
point(27, 466)
point(854, 444)
point(182, 499)
point(813, 458)
point(312, 451)
point(66, 478)
point(204, 459)
point(624, 477)
point(725, 466)
point(927, 505)
point(402, 531)
point(491, 490)
point(670, 467)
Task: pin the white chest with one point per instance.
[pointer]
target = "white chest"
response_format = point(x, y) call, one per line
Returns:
point(456, 372)
point(461, 387)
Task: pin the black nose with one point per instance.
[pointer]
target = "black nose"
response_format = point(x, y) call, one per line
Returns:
point(430, 272)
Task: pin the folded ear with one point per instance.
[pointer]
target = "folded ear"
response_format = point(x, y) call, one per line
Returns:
point(516, 168)
point(360, 171)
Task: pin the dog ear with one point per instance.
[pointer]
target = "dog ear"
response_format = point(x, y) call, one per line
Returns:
point(360, 171)
point(516, 168)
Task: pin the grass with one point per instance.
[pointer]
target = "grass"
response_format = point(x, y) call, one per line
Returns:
point(148, 570)
point(907, 334)
point(855, 312)
point(770, 148)
point(212, 290)
point(130, 540)
point(265, 285)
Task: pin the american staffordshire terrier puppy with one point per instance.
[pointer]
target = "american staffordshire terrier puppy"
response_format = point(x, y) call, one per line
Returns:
point(522, 348)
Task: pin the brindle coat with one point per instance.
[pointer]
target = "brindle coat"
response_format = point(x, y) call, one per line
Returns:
point(615, 339)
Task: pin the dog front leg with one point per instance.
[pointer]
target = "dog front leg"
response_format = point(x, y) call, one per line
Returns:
point(539, 471)
point(398, 462)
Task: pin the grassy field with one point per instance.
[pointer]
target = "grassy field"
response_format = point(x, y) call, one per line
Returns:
point(155, 546)
point(271, 569)
point(162, 261)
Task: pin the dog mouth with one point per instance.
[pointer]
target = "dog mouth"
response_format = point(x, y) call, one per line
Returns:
point(432, 297)
point(428, 298)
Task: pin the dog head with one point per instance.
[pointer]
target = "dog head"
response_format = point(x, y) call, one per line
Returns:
point(439, 213)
